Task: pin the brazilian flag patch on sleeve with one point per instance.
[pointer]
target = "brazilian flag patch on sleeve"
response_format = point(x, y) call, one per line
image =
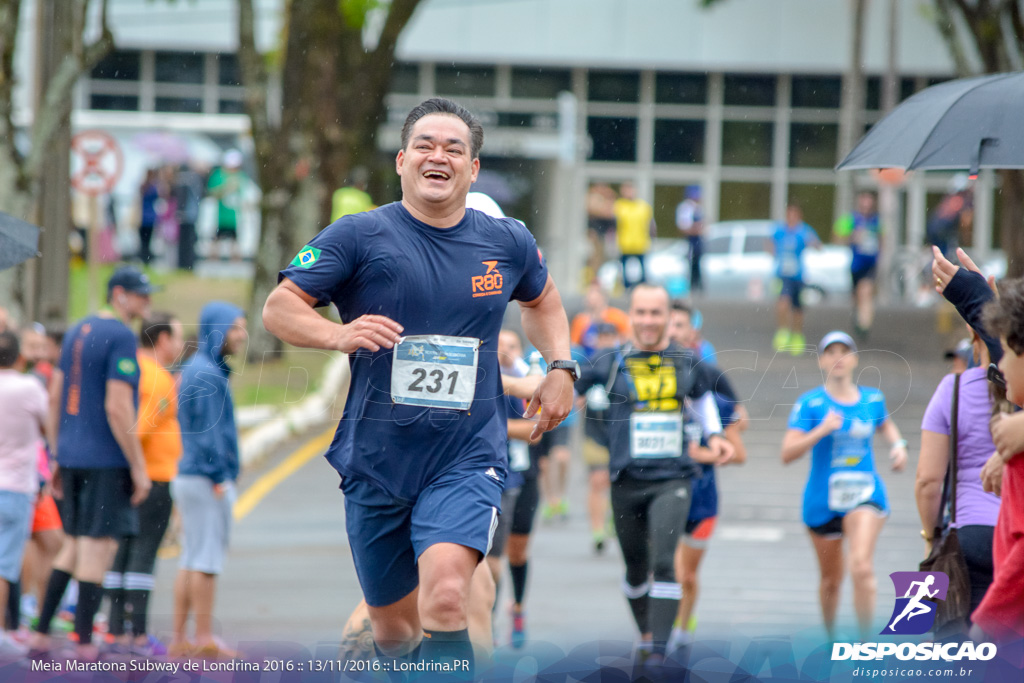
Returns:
point(126, 366)
point(306, 258)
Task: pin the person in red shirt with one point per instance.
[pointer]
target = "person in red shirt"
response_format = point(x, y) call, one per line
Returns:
point(1000, 615)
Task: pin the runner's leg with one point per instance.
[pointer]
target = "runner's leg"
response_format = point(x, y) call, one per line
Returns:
point(862, 527)
point(666, 519)
point(830, 562)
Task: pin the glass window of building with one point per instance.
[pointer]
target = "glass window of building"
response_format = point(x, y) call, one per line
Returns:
point(465, 81)
point(179, 67)
point(813, 145)
point(231, 107)
point(613, 86)
point(818, 204)
point(613, 138)
point(114, 102)
point(514, 119)
point(179, 105)
point(119, 65)
point(405, 79)
point(743, 201)
point(908, 86)
point(873, 93)
point(680, 88)
point(666, 199)
point(228, 70)
point(541, 84)
point(749, 90)
point(678, 141)
point(817, 92)
point(747, 143)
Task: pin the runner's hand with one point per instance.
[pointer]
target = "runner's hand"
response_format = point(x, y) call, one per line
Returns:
point(898, 456)
point(833, 421)
point(371, 332)
point(140, 485)
point(553, 399)
point(721, 449)
point(992, 475)
point(57, 483)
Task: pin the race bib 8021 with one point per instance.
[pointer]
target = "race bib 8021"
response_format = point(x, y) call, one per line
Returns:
point(656, 435)
point(435, 371)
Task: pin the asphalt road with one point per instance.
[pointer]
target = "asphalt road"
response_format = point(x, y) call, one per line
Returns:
point(290, 578)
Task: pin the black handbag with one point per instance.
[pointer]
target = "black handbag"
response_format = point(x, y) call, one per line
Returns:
point(946, 555)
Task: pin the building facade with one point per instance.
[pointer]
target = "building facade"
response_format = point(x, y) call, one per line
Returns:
point(742, 99)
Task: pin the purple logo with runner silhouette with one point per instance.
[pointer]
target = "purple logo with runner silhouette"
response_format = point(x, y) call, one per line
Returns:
point(913, 613)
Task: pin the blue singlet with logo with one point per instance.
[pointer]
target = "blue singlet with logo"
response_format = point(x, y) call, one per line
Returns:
point(454, 282)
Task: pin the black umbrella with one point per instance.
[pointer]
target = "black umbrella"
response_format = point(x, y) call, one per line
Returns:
point(19, 241)
point(966, 124)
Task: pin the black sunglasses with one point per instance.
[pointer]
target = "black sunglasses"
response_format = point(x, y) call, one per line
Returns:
point(995, 376)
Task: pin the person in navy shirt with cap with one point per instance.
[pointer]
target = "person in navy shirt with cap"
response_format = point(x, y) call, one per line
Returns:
point(422, 286)
point(101, 474)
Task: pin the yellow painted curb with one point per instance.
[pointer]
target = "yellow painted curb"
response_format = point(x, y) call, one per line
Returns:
point(265, 484)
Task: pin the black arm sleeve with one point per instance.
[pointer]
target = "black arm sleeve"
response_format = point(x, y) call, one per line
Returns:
point(969, 292)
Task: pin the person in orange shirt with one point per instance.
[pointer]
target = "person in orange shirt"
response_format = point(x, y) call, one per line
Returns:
point(130, 580)
point(596, 311)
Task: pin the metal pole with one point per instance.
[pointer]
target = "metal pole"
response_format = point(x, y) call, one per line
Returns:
point(888, 199)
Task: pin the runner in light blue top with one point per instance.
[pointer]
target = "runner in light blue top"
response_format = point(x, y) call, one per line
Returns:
point(844, 495)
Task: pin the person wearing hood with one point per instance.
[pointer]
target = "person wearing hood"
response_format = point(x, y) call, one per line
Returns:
point(204, 489)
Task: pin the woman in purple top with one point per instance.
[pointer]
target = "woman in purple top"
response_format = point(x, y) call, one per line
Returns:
point(976, 511)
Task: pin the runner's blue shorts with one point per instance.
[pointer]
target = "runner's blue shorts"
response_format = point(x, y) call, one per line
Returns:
point(387, 535)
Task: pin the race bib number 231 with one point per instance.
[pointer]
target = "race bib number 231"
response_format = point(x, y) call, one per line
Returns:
point(435, 371)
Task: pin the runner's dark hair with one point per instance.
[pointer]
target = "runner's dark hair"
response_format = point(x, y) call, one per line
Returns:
point(440, 105)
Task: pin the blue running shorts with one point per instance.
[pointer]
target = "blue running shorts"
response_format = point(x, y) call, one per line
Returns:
point(387, 535)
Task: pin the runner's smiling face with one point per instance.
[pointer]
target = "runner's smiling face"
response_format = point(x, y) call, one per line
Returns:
point(648, 313)
point(1012, 367)
point(437, 167)
point(838, 361)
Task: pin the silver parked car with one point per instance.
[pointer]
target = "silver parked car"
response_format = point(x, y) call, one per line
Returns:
point(737, 265)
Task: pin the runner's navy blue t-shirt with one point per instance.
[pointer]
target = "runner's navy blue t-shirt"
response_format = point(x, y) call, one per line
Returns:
point(456, 282)
point(95, 350)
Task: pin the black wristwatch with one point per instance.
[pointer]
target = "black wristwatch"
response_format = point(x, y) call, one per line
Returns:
point(570, 365)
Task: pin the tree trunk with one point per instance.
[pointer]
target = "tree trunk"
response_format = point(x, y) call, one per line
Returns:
point(333, 90)
point(68, 57)
point(850, 120)
point(1012, 224)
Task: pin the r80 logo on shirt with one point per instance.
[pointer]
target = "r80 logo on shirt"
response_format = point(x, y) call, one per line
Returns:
point(489, 283)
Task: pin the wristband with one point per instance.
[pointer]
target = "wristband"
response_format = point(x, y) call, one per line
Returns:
point(900, 443)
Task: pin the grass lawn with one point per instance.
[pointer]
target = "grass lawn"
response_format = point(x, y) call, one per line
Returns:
point(282, 381)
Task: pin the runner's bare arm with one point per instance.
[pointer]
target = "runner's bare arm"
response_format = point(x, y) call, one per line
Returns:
point(796, 442)
point(120, 409)
point(53, 416)
point(289, 316)
point(898, 452)
point(521, 387)
point(520, 429)
point(547, 328)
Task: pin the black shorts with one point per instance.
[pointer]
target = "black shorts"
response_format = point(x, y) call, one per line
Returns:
point(225, 232)
point(834, 527)
point(525, 510)
point(549, 440)
point(601, 226)
point(97, 503)
point(138, 555)
point(870, 272)
point(792, 289)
